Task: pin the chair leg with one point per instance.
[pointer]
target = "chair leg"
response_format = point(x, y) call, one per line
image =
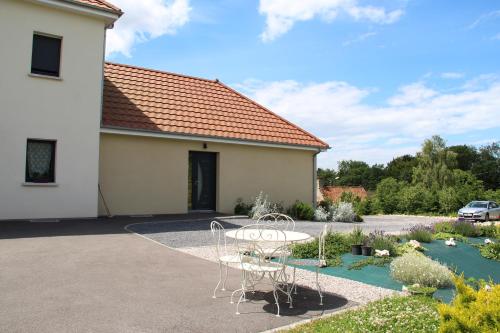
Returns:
point(225, 277)
point(294, 286)
point(319, 287)
point(273, 280)
point(220, 279)
point(243, 290)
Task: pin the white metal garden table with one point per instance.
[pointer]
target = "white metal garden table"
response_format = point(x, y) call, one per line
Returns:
point(256, 235)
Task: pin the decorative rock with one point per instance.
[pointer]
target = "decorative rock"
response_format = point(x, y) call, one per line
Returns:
point(382, 253)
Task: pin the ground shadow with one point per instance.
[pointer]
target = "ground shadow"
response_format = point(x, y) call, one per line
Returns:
point(306, 301)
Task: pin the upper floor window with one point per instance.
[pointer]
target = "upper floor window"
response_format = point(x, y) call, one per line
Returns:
point(46, 55)
point(40, 161)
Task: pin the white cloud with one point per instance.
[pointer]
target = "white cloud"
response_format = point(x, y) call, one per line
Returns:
point(281, 15)
point(338, 113)
point(144, 20)
point(483, 18)
point(359, 38)
point(496, 37)
point(452, 75)
point(412, 94)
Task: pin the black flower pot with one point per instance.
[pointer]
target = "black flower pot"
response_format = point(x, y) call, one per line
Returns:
point(356, 250)
point(366, 250)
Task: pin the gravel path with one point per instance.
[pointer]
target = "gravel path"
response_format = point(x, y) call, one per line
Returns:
point(196, 232)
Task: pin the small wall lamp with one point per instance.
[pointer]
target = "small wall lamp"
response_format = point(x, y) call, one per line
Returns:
point(205, 146)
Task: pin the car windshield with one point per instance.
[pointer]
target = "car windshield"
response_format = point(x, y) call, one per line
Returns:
point(478, 205)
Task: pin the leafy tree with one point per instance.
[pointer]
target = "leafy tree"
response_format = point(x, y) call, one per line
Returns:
point(327, 177)
point(466, 186)
point(487, 166)
point(357, 173)
point(435, 164)
point(466, 156)
point(388, 195)
point(448, 200)
point(401, 168)
point(417, 199)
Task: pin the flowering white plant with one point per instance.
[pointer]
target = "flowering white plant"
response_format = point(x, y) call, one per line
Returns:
point(416, 244)
point(382, 253)
point(344, 212)
point(320, 214)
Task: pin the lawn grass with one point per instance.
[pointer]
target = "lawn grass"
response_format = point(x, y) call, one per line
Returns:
point(393, 314)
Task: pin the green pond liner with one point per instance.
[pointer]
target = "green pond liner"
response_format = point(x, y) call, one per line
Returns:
point(463, 258)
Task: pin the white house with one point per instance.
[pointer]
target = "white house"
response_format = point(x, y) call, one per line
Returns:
point(157, 142)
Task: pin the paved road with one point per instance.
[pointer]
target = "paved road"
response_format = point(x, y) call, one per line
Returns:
point(197, 233)
point(92, 276)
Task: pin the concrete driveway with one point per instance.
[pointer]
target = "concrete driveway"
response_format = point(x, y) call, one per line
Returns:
point(92, 276)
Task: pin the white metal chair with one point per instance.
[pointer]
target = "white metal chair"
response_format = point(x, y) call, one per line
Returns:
point(317, 263)
point(256, 264)
point(278, 220)
point(224, 256)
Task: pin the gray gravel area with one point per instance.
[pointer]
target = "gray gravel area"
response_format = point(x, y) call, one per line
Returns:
point(196, 232)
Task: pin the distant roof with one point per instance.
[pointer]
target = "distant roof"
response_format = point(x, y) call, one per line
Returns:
point(150, 100)
point(335, 192)
point(99, 4)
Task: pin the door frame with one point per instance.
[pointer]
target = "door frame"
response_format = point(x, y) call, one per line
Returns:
point(215, 194)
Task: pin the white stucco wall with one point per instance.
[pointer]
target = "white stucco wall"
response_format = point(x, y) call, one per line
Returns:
point(66, 110)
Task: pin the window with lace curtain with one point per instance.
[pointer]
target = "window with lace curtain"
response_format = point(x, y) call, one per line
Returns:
point(40, 161)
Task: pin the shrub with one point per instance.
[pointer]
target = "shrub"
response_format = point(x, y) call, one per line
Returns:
point(417, 199)
point(301, 211)
point(320, 214)
point(466, 229)
point(420, 233)
point(307, 250)
point(336, 244)
point(413, 268)
point(242, 208)
point(471, 310)
point(344, 212)
point(489, 230)
point(380, 241)
point(326, 204)
point(448, 200)
point(366, 207)
point(388, 195)
point(446, 226)
point(446, 236)
point(490, 251)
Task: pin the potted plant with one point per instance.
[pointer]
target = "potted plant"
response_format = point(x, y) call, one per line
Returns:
point(357, 240)
point(367, 249)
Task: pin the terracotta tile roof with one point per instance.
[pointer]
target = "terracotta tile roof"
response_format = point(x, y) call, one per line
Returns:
point(100, 4)
point(335, 192)
point(145, 99)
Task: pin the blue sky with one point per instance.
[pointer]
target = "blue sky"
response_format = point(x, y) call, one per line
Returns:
point(373, 78)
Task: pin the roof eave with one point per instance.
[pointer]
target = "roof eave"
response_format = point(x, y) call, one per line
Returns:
point(194, 137)
point(109, 16)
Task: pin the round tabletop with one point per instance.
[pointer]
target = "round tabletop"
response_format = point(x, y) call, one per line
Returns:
point(259, 235)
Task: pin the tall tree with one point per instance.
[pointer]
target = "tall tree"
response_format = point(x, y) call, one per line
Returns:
point(435, 164)
point(487, 166)
point(466, 156)
point(327, 177)
point(401, 168)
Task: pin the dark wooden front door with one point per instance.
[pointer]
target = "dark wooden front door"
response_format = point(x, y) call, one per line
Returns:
point(202, 180)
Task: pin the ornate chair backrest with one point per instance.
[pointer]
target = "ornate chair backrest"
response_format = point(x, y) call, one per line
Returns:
point(251, 244)
point(278, 220)
point(219, 236)
point(321, 241)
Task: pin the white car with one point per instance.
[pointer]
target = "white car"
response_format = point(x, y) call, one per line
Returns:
point(480, 210)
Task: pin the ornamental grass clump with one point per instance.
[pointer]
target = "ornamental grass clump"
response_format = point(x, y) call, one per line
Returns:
point(466, 229)
point(414, 267)
point(421, 233)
